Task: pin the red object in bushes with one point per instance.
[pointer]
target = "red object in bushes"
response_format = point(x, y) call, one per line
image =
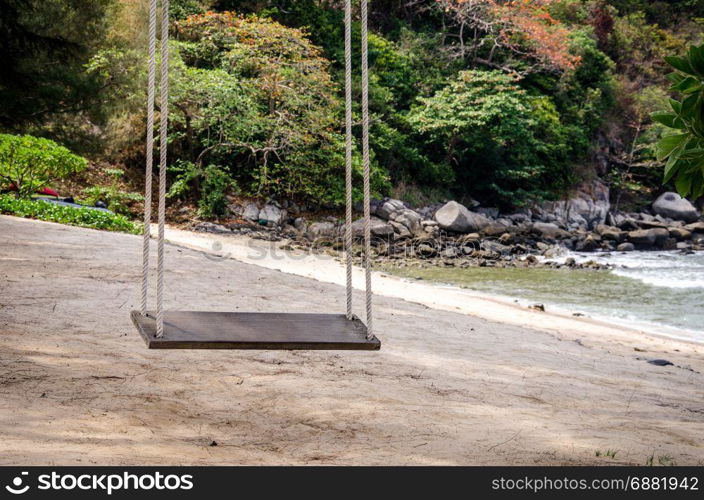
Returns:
point(45, 190)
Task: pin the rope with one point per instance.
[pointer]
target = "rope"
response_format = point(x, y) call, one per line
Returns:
point(348, 152)
point(164, 112)
point(150, 154)
point(365, 161)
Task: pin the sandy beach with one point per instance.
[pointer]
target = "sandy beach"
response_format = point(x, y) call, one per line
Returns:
point(461, 379)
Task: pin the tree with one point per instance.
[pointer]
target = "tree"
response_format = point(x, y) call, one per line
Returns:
point(502, 145)
point(521, 29)
point(684, 150)
point(28, 163)
point(257, 98)
point(44, 45)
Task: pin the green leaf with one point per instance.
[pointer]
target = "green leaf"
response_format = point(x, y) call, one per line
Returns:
point(683, 184)
point(681, 64)
point(669, 143)
point(676, 106)
point(688, 85)
point(696, 59)
point(668, 119)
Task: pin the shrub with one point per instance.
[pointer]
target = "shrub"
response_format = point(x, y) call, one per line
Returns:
point(257, 99)
point(501, 144)
point(84, 217)
point(30, 163)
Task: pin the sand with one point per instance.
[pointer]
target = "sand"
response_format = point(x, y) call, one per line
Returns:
point(460, 379)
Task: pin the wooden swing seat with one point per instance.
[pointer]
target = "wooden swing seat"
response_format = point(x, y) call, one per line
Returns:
point(247, 330)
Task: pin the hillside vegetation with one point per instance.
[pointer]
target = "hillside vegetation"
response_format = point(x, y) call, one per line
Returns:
point(504, 101)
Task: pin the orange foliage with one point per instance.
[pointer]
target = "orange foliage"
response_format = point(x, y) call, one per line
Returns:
point(523, 26)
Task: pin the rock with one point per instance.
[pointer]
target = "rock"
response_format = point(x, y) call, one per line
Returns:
point(377, 227)
point(209, 227)
point(674, 206)
point(272, 215)
point(642, 238)
point(299, 223)
point(321, 230)
point(455, 217)
point(660, 362)
point(400, 230)
point(549, 230)
point(628, 224)
point(410, 219)
point(588, 244)
point(661, 236)
point(625, 247)
point(489, 213)
point(495, 228)
point(679, 233)
point(696, 227)
point(610, 233)
point(389, 207)
point(588, 208)
point(251, 212)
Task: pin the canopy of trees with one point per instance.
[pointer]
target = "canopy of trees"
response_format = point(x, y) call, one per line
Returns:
point(508, 101)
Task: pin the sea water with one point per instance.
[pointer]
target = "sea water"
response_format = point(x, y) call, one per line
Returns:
point(660, 292)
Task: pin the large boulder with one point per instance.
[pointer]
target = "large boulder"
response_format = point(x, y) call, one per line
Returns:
point(410, 219)
point(587, 208)
point(377, 227)
point(647, 238)
point(675, 207)
point(388, 207)
point(456, 217)
point(549, 231)
point(610, 233)
point(251, 212)
point(321, 230)
point(272, 215)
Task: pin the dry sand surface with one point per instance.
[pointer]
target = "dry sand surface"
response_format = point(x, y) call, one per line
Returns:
point(77, 385)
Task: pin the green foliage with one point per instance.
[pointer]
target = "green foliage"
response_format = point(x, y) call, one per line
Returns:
point(117, 200)
point(684, 150)
point(216, 183)
point(30, 162)
point(500, 143)
point(257, 99)
point(84, 217)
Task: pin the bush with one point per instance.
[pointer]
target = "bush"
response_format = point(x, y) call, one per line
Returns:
point(29, 163)
point(257, 99)
point(499, 143)
point(84, 217)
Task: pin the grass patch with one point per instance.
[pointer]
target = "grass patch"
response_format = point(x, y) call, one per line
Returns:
point(83, 217)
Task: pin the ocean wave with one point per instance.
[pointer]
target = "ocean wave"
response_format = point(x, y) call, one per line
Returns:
point(662, 278)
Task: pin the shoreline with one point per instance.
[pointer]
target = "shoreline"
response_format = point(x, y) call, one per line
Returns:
point(490, 307)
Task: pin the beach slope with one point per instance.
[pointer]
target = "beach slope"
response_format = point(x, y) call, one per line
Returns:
point(459, 379)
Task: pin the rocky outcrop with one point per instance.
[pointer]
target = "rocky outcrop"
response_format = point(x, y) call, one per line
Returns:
point(457, 218)
point(586, 209)
point(673, 206)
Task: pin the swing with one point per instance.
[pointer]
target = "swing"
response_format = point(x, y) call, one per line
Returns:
point(250, 330)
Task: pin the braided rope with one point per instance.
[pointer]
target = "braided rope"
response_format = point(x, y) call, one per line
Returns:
point(163, 128)
point(365, 160)
point(348, 152)
point(150, 154)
